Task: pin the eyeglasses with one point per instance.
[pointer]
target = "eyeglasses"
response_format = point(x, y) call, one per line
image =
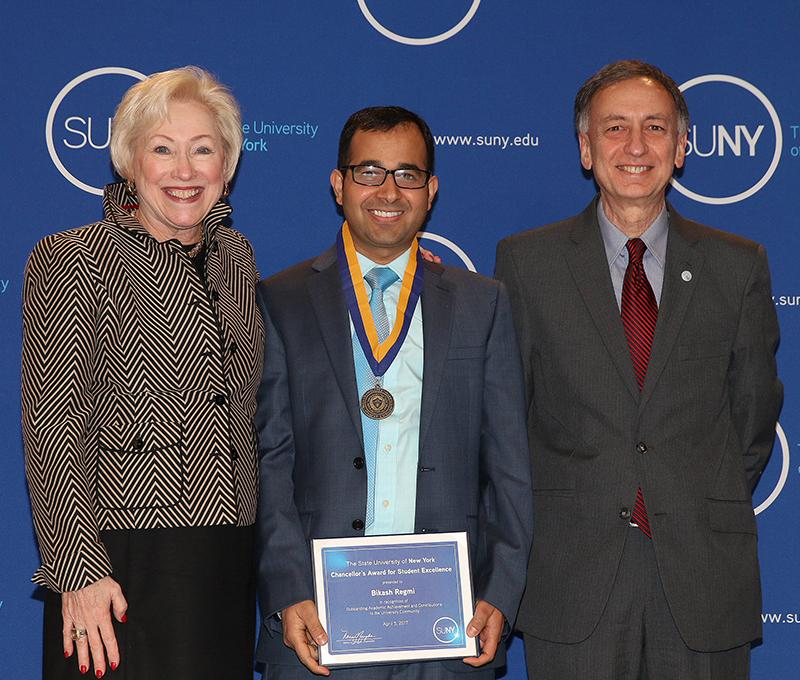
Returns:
point(375, 176)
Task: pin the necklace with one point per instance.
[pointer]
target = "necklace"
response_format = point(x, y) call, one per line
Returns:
point(196, 248)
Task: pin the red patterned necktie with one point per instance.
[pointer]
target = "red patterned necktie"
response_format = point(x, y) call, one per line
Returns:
point(639, 316)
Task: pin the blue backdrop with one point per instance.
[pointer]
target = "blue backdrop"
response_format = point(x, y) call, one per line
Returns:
point(495, 80)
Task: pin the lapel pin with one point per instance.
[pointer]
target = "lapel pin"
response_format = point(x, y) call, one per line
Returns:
point(686, 275)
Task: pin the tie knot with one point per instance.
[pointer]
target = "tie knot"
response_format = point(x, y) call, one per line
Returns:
point(636, 248)
point(380, 278)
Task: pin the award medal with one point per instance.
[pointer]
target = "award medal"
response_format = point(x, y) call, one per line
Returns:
point(377, 403)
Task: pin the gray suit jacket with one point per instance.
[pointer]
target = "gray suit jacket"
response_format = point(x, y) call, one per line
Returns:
point(474, 472)
point(696, 439)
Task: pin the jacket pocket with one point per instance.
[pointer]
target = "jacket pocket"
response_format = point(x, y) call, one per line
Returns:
point(731, 517)
point(703, 350)
point(456, 353)
point(563, 493)
point(140, 465)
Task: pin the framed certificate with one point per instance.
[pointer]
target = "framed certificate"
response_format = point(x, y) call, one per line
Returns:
point(392, 599)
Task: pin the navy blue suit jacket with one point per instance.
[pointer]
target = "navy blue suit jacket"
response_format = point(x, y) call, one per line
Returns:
point(474, 470)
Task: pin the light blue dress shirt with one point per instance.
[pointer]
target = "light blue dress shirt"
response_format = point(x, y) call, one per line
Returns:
point(654, 237)
point(398, 435)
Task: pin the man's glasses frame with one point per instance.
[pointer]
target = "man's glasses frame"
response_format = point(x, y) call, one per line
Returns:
point(411, 180)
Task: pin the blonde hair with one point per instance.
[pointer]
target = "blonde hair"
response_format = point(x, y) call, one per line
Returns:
point(145, 105)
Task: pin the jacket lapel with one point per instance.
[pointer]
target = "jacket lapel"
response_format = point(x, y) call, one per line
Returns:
point(676, 293)
point(437, 317)
point(325, 291)
point(589, 267)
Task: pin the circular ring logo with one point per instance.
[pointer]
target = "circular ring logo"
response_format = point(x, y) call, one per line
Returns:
point(446, 630)
point(773, 114)
point(378, 26)
point(51, 115)
point(785, 463)
point(449, 244)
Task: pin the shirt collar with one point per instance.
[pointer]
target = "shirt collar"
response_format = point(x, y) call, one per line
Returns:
point(654, 237)
point(398, 265)
point(119, 206)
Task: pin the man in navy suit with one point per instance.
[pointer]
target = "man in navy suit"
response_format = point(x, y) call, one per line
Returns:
point(439, 443)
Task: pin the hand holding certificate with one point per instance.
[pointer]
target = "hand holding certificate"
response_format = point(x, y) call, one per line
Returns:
point(303, 632)
point(395, 598)
point(487, 625)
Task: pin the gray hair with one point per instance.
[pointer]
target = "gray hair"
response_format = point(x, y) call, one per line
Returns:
point(625, 70)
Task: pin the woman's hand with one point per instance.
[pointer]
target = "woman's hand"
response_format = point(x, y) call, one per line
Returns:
point(89, 610)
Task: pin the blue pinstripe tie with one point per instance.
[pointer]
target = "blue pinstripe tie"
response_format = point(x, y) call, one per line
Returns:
point(379, 279)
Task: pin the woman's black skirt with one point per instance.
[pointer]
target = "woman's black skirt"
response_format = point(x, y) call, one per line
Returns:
point(191, 606)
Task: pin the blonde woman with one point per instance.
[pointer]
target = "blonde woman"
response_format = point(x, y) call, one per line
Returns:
point(142, 352)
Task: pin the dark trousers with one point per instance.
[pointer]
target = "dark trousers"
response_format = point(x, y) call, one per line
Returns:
point(429, 670)
point(636, 638)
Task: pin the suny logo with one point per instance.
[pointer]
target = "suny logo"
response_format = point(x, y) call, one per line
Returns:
point(734, 141)
point(441, 37)
point(785, 462)
point(446, 630)
point(78, 126)
point(448, 244)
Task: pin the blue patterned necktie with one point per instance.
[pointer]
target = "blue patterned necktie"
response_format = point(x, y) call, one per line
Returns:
point(379, 279)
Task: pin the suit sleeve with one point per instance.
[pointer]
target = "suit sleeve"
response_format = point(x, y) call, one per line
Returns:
point(284, 562)
point(506, 272)
point(59, 310)
point(506, 512)
point(756, 392)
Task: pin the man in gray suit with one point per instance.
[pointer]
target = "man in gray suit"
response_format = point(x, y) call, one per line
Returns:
point(648, 346)
point(452, 455)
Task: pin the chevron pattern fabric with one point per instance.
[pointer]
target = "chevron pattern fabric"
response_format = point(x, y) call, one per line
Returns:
point(138, 386)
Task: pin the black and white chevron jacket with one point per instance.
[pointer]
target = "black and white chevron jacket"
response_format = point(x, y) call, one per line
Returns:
point(138, 386)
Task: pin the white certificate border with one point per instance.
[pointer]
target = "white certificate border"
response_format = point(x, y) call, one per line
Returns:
point(465, 583)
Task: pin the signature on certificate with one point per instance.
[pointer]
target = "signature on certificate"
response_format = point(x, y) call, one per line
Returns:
point(359, 638)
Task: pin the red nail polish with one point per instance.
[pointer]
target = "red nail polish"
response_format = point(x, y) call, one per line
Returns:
point(113, 666)
point(124, 618)
point(67, 654)
point(84, 670)
point(98, 674)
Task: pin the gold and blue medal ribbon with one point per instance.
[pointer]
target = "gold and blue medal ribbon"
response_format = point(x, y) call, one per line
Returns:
point(379, 355)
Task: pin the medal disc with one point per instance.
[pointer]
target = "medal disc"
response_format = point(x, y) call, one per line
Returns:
point(377, 403)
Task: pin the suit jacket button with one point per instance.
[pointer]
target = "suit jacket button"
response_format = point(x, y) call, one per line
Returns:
point(219, 399)
point(358, 463)
point(358, 525)
point(641, 447)
point(624, 513)
point(138, 444)
point(234, 454)
point(214, 296)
